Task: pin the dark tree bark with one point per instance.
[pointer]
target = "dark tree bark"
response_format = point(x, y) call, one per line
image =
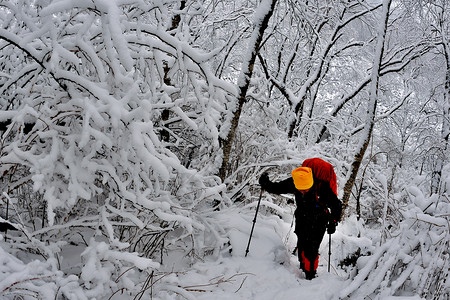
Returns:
point(244, 82)
point(165, 114)
point(371, 108)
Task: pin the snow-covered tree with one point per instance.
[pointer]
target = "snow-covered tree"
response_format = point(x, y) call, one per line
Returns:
point(133, 132)
point(85, 88)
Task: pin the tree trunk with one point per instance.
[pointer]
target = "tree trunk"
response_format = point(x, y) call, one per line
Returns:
point(446, 124)
point(165, 114)
point(261, 19)
point(371, 108)
point(437, 172)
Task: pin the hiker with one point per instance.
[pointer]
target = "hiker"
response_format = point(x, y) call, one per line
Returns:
point(318, 207)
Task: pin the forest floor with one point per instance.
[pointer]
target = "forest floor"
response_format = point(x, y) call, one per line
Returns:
point(271, 271)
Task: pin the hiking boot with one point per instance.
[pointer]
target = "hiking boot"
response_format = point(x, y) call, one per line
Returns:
point(310, 275)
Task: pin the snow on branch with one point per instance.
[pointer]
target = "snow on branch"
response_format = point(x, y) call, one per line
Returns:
point(102, 88)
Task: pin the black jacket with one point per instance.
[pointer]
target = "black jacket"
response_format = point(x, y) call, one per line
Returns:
point(317, 207)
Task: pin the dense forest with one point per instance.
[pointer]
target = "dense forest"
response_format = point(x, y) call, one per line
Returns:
point(133, 134)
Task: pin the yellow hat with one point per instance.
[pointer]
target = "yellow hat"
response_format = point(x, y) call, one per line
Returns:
point(303, 178)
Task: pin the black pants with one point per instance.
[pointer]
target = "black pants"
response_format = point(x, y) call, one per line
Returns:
point(309, 237)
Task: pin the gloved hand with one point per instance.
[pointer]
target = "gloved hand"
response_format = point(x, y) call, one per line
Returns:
point(264, 180)
point(331, 227)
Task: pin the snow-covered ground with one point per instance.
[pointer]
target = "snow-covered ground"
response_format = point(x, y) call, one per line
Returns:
point(269, 271)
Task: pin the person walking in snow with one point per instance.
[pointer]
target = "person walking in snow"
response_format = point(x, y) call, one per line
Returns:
point(318, 207)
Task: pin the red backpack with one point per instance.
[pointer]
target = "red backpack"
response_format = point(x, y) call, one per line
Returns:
point(322, 170)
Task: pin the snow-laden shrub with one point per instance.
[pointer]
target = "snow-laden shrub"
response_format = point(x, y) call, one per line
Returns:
point(111, 140)
point(35, 279)
point(412, 253)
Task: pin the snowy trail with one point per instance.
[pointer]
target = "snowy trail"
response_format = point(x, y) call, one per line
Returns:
point(259, 278)
point(269, 271)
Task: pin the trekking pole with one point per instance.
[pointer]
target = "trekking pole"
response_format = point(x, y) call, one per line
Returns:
point(7, 209)
point(329, 253)
point(254, 221)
